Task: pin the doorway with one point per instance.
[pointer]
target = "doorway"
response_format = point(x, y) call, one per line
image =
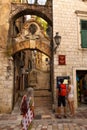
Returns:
point(81, 85)
point(32, 69)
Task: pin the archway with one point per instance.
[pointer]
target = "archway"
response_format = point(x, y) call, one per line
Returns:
point(32, 45)
point(24, 41)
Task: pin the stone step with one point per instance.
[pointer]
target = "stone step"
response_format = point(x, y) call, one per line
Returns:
point(47, 105)
point(39, 93)
point(43, 101)
point(42, 110)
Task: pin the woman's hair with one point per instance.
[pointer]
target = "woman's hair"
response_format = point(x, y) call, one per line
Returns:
point(30, 91)
point(61, 81)
point(69, 81)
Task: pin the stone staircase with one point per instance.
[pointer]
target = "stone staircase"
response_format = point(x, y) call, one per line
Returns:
point(43, 102)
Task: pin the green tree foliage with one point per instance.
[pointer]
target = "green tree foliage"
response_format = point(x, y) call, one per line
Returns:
point(43, 23)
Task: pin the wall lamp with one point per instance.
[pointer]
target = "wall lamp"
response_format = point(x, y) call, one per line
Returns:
point(57, 40)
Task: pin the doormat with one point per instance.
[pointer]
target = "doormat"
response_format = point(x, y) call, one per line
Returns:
point(38, 117)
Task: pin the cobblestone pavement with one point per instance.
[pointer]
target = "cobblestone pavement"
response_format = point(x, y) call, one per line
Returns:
point(47, 122)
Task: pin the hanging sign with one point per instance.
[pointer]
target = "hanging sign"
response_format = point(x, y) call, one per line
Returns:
point(62, 59)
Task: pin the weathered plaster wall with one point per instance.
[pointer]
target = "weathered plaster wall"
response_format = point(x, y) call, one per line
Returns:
point(6, 66)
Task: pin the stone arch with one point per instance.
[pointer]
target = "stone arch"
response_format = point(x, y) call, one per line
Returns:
point(41, 11)
point(19, 10)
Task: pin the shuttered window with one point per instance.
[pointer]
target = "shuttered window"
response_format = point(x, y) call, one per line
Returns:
point(84, 33)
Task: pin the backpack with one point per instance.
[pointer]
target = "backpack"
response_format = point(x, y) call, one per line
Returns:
point(63, 91)
point(24, 107)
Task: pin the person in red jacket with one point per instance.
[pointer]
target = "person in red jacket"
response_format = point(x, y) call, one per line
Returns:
point(61, 94)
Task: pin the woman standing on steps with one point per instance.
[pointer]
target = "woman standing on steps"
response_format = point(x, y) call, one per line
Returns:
point(71, 98)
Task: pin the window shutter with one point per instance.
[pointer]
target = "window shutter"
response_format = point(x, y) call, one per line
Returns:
point(83, 33)
point(84, 38)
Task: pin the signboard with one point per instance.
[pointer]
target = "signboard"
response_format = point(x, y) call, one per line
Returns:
point(62, 59)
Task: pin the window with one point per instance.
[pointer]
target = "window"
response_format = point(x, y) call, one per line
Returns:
point(84, 33)
point(40, 2)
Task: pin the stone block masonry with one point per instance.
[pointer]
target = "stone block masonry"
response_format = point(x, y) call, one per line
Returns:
point(65, 21)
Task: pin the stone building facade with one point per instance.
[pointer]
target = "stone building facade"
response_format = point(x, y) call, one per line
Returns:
point(66, 20)
point(6, 65)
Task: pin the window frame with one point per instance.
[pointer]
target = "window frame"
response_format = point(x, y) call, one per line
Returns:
point(84, 43)
point(81, 15)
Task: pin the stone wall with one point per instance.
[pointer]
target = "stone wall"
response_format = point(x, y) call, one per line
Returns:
point(6, 66)
point(65, 21)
